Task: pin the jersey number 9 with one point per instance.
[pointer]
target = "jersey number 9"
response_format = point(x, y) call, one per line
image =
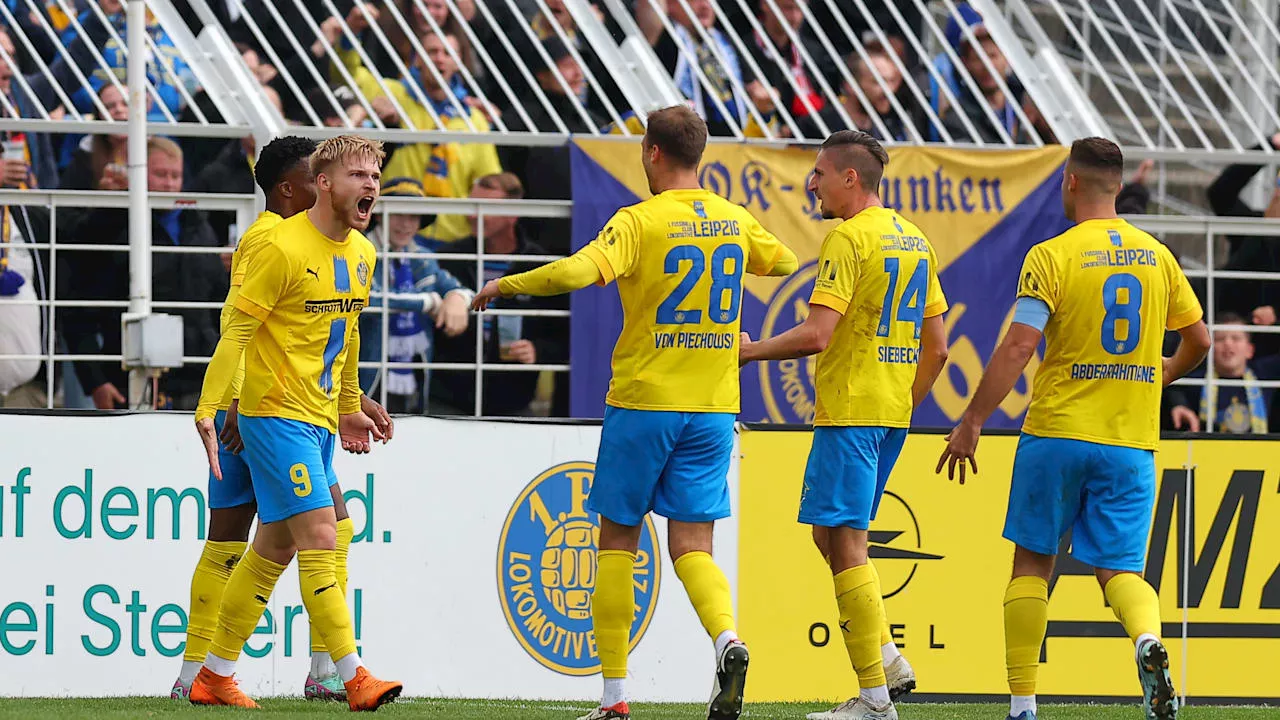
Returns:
point(1122, 298)
point(723, 280)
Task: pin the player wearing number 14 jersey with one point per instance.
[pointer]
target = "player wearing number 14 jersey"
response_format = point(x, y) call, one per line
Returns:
point(1102, 295)
point(678, 259)
point(875, 324)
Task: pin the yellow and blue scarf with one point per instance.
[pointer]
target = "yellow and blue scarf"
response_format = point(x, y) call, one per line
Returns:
point(1232, 418)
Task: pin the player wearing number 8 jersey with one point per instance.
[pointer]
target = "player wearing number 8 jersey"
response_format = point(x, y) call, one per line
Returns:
point(875, 324)
point(1102, 295)
point(678, 259)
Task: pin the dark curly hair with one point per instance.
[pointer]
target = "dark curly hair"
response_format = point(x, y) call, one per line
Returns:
point(278, 157)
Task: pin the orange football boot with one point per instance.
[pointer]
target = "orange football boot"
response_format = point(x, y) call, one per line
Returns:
point(366, 692)
point(213, 689)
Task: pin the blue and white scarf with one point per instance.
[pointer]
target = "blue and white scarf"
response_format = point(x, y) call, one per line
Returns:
point(407, 339)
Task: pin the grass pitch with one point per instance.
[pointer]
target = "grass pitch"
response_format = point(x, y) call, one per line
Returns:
point(161, 708)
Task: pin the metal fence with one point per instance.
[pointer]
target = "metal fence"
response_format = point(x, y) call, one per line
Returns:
point(244, 207)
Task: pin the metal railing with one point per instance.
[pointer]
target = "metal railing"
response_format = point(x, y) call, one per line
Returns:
point(1194, 234)
point(244, 206)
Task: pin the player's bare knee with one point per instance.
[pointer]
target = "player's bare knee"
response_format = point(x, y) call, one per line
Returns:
point(1027, 563)
point(847, 548)
point(274, 542)
point(231, 524)
point(615, 536)
point(314, 530)
point(339, 503)
point(684, 538)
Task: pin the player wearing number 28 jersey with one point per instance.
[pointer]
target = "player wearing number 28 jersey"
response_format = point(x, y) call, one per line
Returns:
point(1102, 295)
point(678, 259)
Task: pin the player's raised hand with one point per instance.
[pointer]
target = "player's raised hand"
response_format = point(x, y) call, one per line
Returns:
point(354, 430)
point(230, 435)
point(487, 294)
point(962, 443)
point(209, 436)
point(379, 415)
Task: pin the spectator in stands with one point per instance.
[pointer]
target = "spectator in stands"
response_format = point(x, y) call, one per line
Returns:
point(99, 161)
point(865, 75)
point(545, 170)
point(24, 279)
point(32, 163)
point(445, 169)
point(388, 22)
point(231, 172)
point(174, 276)
point(1247, 252)
point(1235, 409)
point(516, 339)
point(779, 58)
point(680, 54)
point(329, 115)
point(972, 55)
point(165, 73)
point(423, 299)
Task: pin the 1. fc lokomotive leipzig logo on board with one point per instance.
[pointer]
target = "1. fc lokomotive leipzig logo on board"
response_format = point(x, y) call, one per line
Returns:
point(787, 385)
point(546, 570)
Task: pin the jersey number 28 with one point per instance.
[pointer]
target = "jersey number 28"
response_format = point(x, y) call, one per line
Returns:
point(723, 281)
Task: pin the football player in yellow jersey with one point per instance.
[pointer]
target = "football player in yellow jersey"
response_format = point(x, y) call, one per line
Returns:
point(678, 259)
point(875, 324)
point(1102, 295)
point(283, 171)
point(297, 312)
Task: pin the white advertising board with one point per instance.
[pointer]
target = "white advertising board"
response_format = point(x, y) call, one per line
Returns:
point(469, 577)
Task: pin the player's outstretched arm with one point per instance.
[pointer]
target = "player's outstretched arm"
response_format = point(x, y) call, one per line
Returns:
point(564, 275)
point(933, 357)
point(1190, 353)
point(808, 338)
point(222, 367)
point(1002, 372)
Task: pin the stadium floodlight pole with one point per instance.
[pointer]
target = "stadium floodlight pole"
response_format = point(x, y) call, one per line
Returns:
point(139, 213)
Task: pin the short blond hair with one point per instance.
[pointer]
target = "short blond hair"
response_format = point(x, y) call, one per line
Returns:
point(506, 183)
point(337, 148)
point(164, 146)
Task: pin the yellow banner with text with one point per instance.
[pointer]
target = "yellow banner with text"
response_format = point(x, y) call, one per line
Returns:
point(944, 567)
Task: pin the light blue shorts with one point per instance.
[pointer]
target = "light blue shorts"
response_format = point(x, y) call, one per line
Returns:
point(673, 463)
point(847, 471)
point(236, 487)
point(1102, 494)
point(291, 463)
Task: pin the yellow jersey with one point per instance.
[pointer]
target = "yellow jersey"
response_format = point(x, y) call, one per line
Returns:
point(307, 291)
point(249, 244)
point(1112, 291)
point(880, 273)
point(678, 259)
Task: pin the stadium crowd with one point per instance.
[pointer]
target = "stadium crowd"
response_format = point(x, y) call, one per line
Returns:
point(431, 55)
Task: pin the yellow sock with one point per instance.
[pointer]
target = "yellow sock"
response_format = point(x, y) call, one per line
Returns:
point(861, 622)
point(326, 606)
point(1026, 617)
point(613, 609)
point(346, 530)
point(213, 570)
point(708, 590)
point(243, 601)
point(1135, 604)
point(886, 633)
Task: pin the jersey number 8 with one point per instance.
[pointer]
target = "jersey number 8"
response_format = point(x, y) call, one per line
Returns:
point(723, 279)
point(1128, 309)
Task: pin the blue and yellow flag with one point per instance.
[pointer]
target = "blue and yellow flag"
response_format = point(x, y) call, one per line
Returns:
point(981, 210)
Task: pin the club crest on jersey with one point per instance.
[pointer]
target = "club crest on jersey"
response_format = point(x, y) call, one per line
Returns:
point(787, 385)
point(362, 272)
point(546, 571)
